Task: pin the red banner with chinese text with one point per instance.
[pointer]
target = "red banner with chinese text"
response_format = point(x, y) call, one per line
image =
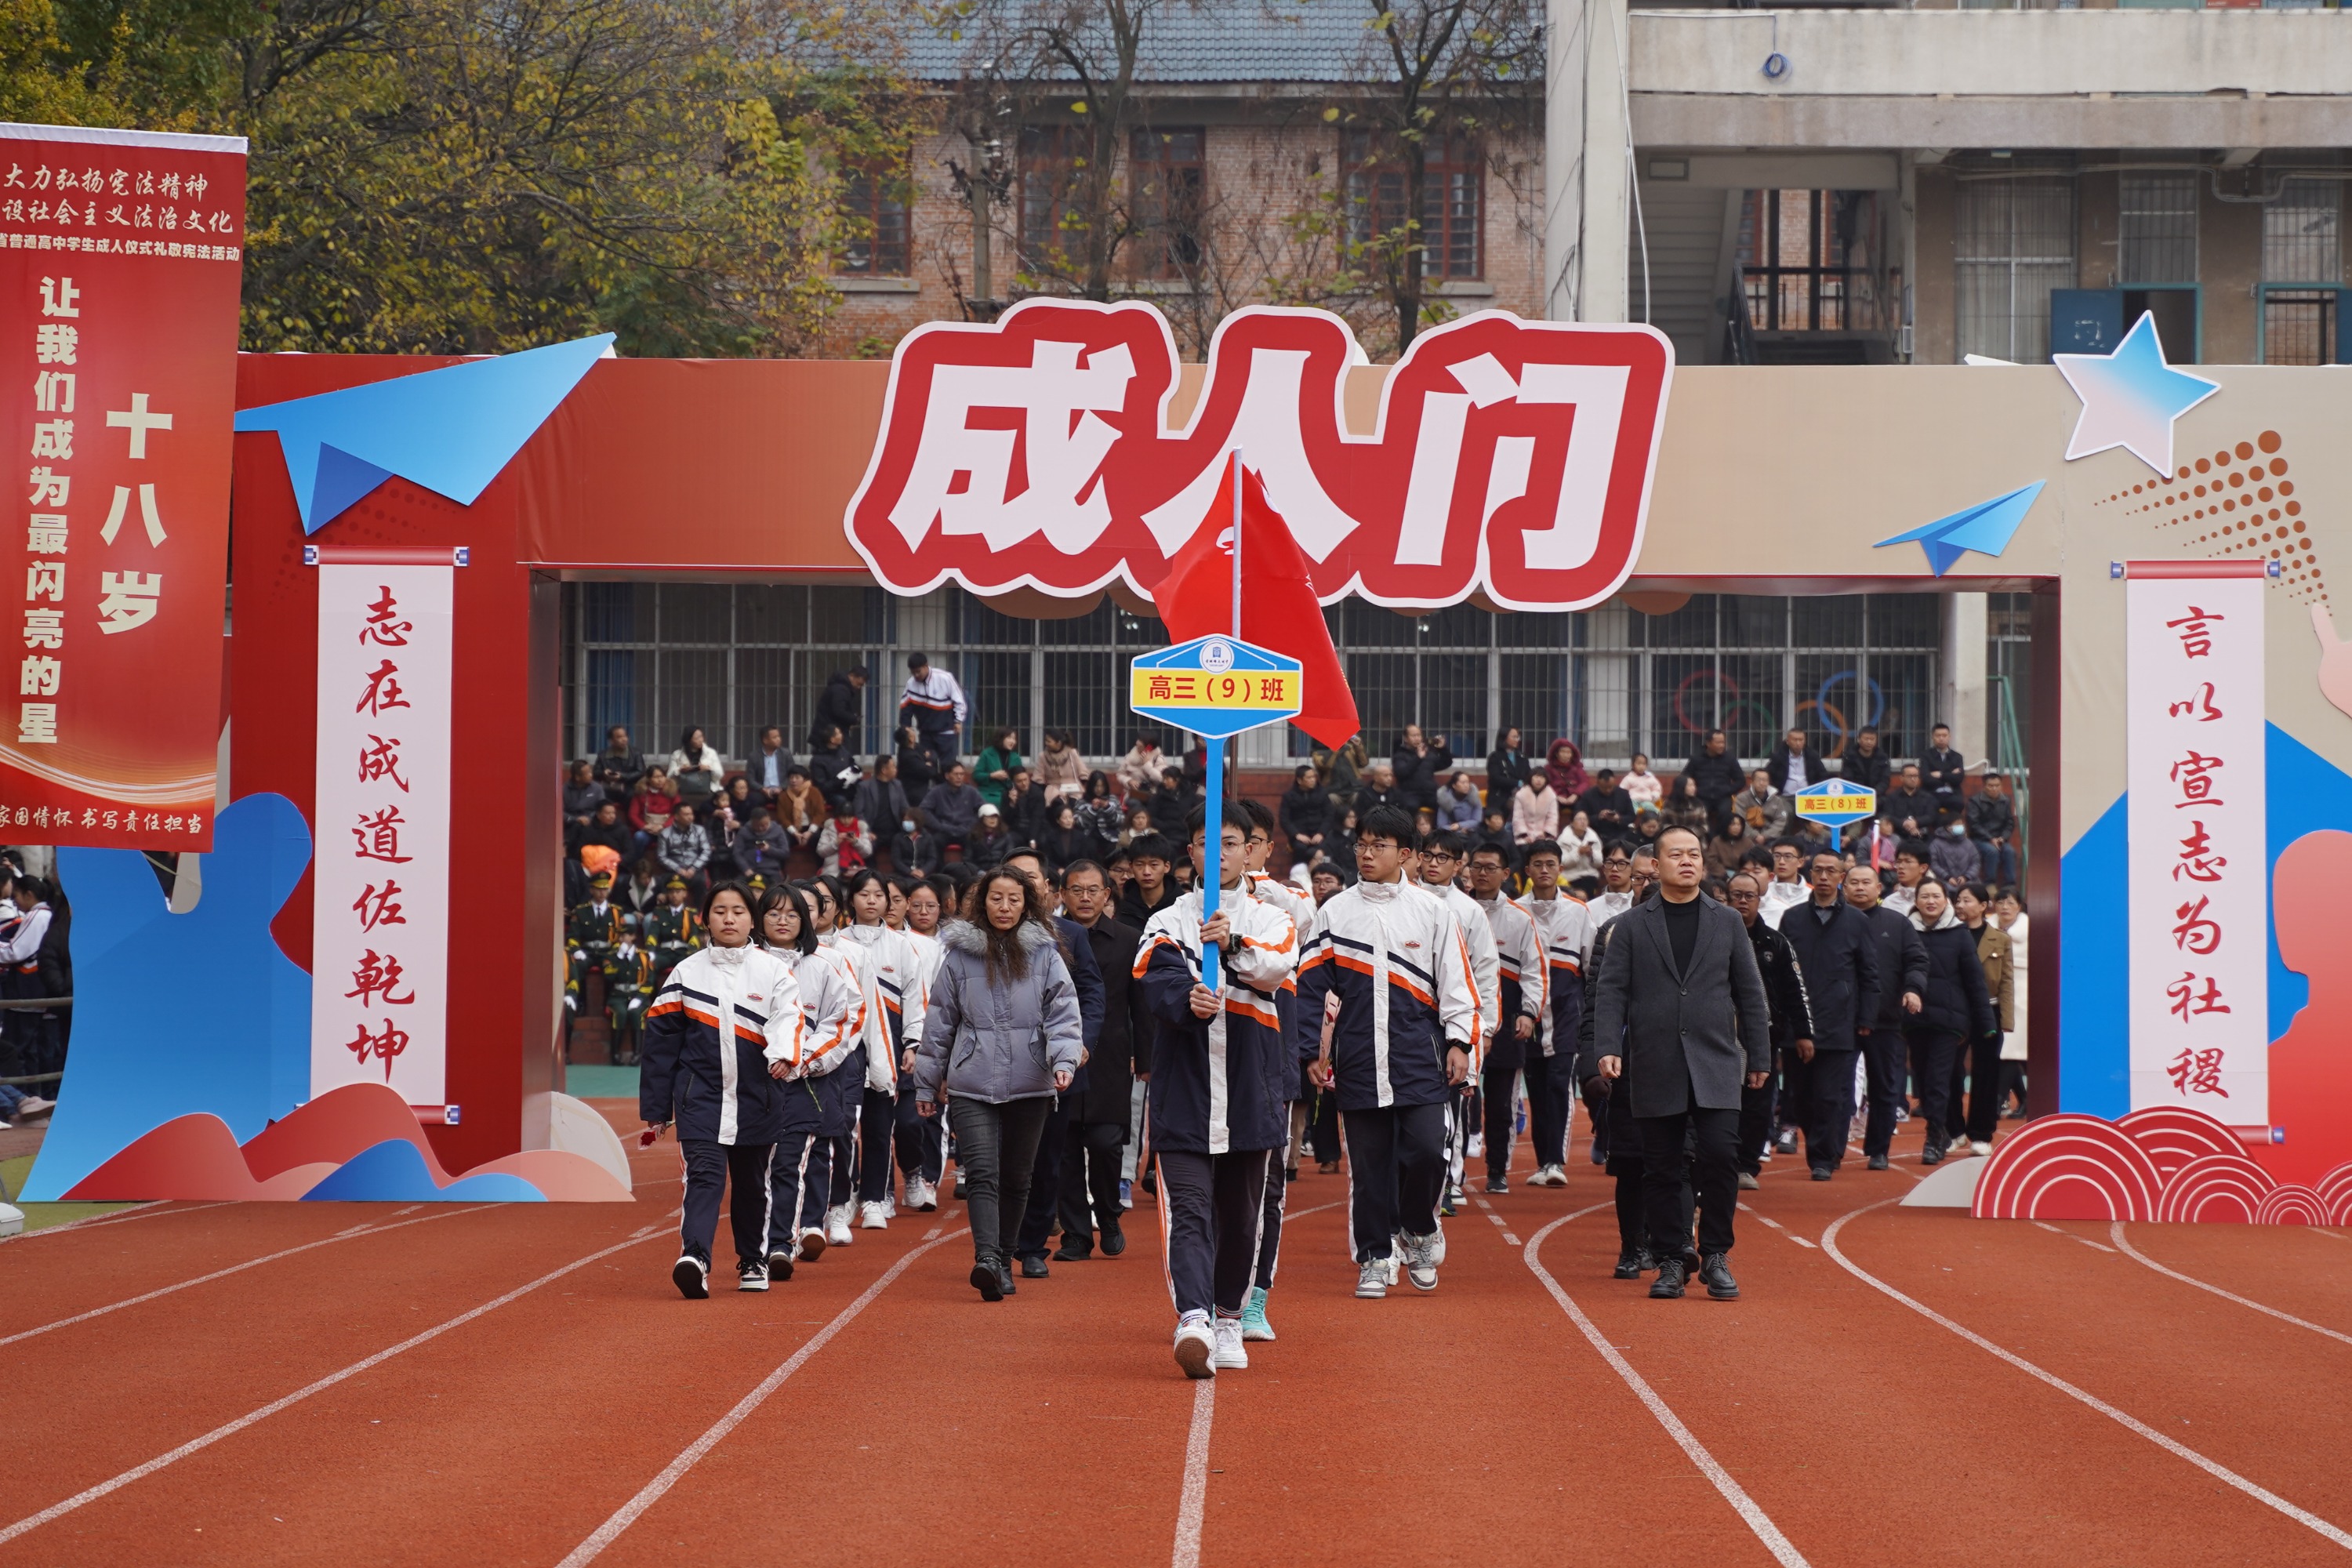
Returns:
point(120, 255)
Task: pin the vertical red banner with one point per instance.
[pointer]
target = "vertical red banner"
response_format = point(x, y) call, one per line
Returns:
point(120, 259)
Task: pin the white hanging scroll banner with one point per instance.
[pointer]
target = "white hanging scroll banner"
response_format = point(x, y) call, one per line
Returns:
point(2199, 897)
point(379, 920)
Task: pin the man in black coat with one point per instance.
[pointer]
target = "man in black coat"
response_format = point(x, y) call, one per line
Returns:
point(919, 764)
point(1606, 805)
point(1792, 1018)
point(1839, 957)
point(1866, 763)
point(1901, 957)
point(1679, 985)
point(1617, 1141)
point(1718, 774)
point(1943, 773)
point(1099, 1113)
point(1791, 767)
point(1092, 986)
point(842, 703)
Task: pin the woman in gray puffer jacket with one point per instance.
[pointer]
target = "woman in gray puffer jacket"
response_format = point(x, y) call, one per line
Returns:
point(1001, 1038)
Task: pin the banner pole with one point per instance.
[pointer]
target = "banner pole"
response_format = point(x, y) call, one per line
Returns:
point(1213, 804)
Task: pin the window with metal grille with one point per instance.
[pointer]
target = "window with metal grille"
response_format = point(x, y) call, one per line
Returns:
point(2303, 233)
point(2014, 243)
point(1805, 260)
point(2156, 228)
point(874, 199)
point(2008, 672)
point(1168, 174)
point(1052, 157)
point(1453, 207)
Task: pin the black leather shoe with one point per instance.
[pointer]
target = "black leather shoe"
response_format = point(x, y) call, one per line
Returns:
point(1716, 1274)
point(963, 1183)
point(1878, 1162)
point(1629, 1266)
point(1034, 1267)
point(1668, 1285)
point(1646, 1261)
point(1070, 1252)
point(1822, 1172)
point(1691, 1264)
point(1933, 1155)
point(985, 1280)
point(1004, 1280)
point(1114, 1242)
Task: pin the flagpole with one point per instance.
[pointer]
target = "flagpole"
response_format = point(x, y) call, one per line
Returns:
point(1213, 803)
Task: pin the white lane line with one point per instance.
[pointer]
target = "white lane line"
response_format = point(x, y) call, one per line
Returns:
point(230, 1428)
point(1190, 1508)
point(2070, 1235)
point(1775, 1225)
point(1778, 1544)
point(235, 1269)
point(2304, 1517)
point(1302, 1213)
point(155, 1210)
point(2117, 1230)
point(654, 1491)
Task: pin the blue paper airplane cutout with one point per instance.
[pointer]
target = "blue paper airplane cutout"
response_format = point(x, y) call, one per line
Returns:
point(1984, 528)
point(450, 430)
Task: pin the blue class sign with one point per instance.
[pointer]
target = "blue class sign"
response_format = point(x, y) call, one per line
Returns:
point(1215, 686)
point(1833, 804)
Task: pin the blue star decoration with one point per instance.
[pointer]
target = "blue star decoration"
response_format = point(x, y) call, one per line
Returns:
point(2131, 397)
point(449, 430)
point(1984, 528)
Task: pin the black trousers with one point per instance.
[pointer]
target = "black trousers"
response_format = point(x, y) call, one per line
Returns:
point(1756, 1108)
point(1885, 1057)
point(797, 1187)
point(1830, 1116)
point(1213, 1206)
point(1322, 1124)
point(1932, 1053)
point(877, 1129)
point(1396, 1172)
point(1499, 1084)
point(920, 1143)
point(996, 1145)
point(1978, 1056)
point(2012, 1082)
point(1091, 1153)
point(1269, 1233)
point(710, 1167)
point(1550, 1084)
point(1712, 1168)
point(1045, 1183)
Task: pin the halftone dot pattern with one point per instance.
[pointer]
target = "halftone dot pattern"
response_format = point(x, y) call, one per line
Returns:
point(2240, 503)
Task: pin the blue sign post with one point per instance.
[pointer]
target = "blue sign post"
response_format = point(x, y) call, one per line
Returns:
point(1835, 803)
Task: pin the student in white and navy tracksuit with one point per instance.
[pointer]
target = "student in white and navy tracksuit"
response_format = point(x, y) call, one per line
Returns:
point(1295, 1088)
point(831, 1013)
point(1443, 857)
point(1520, 1000)
point(726, 1019)
point(840, 1090)
point(933, 703)
point(1408, 1022)
point(1565, 926)
point(921, 1144)
point(1217, 1114)
point(892, 973)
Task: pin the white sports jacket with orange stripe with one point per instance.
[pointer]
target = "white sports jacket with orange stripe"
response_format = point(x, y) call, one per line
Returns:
point(896, 982)
point(1396, 959)
point(1220, 1084)
point(722, 1016)
point(1520, 956)
point(1565, 925)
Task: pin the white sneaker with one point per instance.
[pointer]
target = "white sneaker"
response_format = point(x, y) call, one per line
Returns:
point(836, 1225)
point(889, 1205)
point(1979, 1148)
point(751, 1276)
point(1231, 1352)
point(1196, 1349)
point(921, 1196)
point(873, 1216)
point(1477, 1146)
point(1420, 1261)
point(1554, 1177)
point(1389, 1267)
point(34, 1105)
point(1437, 1245)
point(813, 1245)
point(1372, 1279)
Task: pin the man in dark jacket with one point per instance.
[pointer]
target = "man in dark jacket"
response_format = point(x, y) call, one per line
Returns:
point(915, 852)
point(1679, 986)
point(953, 805)
point(919, 764)
point(1719, 773)
point(618, 766)
point(1418, 763)
point(1916, 811)
point(1993, 823)
point(1791, 767)
point(1902, 959)
point(842, 705)
point(1864, 762)
point(1617, 1142)
point(1839, 957)
point(1149, 888)
point(1943, 774)
point(1094, 1002)
point(1380, 788)
point(1607, 806)
point(1169, 803)
point(1792, 1018)
point(1100, 1113)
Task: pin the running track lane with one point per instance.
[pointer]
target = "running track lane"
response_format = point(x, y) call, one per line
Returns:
point(2298, 1277)
point(2162, 1361)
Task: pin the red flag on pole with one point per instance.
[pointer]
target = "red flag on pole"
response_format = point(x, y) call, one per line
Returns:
point(1279, 610)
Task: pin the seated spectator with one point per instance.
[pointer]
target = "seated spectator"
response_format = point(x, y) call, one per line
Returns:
point(800, 811)
point(1023, 807)
point(1061, 771)
point(1608, 804)
point(1992, 822)
point(914, 850)
point(832, 769)
point(1535, 810)
point(879, 799)
point(696, 768)
point(843, 844)
point(1424, 820)
point(1143, 763)
point(581, 796)
point(991, 841)
point(1379, 788)
point(605, 829)
point(733, 808)
point(1306, 813)
point(1101, 813)
point(1766, 808)
point(1340, 843)
point(1564, 765)
point(1495, 826)
point(1139, 826)
point(993, 774)
point(685, 846)
point(1647, 825)
point(1458, 805)
point(1580, 849)
point(1644, 787)
point(1683, 807)
point(1915, 812)
point(1342, 771)
point(760, 848)
point(1064, 842)
point(921, 765)
point(1864, 763)
point(953, 805)
point(619, 767)
point(767, 766)
point(1952, 857)
point(1729, 850)
point(649, 809)
point(1170, 805)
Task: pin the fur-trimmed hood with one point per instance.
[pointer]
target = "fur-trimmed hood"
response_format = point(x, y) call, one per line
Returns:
point(962, 936)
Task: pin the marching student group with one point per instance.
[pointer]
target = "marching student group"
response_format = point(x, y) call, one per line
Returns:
point(814, 1048)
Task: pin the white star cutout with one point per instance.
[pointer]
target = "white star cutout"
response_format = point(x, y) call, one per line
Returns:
point(2131, 397)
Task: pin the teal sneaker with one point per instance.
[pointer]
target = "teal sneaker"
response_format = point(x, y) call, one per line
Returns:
point(1253, 1323)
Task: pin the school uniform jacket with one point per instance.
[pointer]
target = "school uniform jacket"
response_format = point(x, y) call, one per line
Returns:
point(1520, 965)
point(1219, 1084)
point(838, 1088)
point(832, 1024)
point(722, 1016)
point(891, 978)
point(1486, 964)
point(1565, 925)
point(1300, 907)
point(1396, 959)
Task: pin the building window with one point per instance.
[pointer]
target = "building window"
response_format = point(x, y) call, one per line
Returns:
point(1805, 260)
point(2302, 245)
point(1167, 173)
point(874, 199)
point(1453, 209)
point(2155, 229)
point(2014, 242)
point(2009, 680)
point(1052, 157)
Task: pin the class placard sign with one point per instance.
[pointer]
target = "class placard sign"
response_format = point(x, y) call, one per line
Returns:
point(1215, 686)
point(1833, 804)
